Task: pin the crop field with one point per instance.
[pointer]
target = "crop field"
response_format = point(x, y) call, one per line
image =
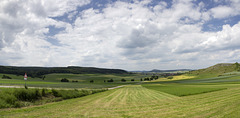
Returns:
point(138, 101)
point(183, 90)
point(53, 80)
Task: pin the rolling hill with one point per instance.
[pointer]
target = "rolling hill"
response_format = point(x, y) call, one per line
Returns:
point(220, 68)
point(40, 71)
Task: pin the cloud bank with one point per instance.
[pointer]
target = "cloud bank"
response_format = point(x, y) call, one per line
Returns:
point(136, 35)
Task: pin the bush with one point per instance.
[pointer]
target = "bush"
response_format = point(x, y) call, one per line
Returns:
point(170, 77)
point(91, 81)
point(111, 80)
point(27, 94)
point(44, 92)
point(132, 80)
point(25, 97)
point(123, 80)
point(55, 93)
point(6, 77)
point(64, 80)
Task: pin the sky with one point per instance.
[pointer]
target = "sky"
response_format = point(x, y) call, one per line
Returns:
point(123, 34)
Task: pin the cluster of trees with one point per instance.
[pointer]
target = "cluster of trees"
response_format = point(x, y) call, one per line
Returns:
point(150, 78)
point(39, 72)
point(6, 77)
point(64, 80)
point(111, 80)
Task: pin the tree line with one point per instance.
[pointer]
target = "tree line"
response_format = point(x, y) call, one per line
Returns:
point(40, 71)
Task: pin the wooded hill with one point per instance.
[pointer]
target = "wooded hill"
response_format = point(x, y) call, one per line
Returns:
point(40, 71)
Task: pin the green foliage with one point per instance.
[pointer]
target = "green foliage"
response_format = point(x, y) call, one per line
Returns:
point(111, 80)
point(64, 80)
point(30, 95)
point(24, 97)
point(39, 72)
point(170, 77)
point(123, 80)
point(132, 80)
point(237, 66)
point(6, 77)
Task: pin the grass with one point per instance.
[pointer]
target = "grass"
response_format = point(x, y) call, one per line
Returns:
point(198, 94)
point(53, 80)
point(182, 90)
point(20, 97)
point(138, 101)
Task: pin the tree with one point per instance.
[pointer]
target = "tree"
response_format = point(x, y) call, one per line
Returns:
point(170, 77)
point(43, 77)
point(64, 80)
point(111, 80)
point(237, 66)
point(6, 77)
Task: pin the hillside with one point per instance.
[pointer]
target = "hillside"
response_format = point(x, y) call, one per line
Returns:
point(40, 71)
point(220, 68)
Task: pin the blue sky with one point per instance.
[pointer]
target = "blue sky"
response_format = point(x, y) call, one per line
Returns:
point(131, 35)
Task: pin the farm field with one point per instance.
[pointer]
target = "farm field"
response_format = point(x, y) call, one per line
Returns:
point(187, 95)
point(53, 80)
point(138, 101)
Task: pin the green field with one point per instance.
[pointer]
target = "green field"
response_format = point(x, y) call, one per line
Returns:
point(138, 101)
point(201, 93)
point(53, 80)
point(183, 90)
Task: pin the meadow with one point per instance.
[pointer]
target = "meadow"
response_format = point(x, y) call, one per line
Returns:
point(138, 101)
point(54, 80)
point(194, 94)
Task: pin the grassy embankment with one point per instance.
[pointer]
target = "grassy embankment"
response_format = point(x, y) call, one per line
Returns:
point(20, 97)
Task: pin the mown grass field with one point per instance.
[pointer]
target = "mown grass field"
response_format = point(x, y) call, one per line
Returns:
point(138, 101)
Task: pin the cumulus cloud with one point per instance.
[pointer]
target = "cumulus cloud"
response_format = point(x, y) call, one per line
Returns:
point(130, 35)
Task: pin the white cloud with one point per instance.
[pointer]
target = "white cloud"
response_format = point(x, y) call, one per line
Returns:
point(123, 35)
point(222, 11)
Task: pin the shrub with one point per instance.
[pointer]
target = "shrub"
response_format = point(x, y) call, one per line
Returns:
point(6, 77)
point(55, 93)
point(170, 77)
point(91, 81)
point(132, 80)
point(64, 80)
point(123, 80)
point(27, 94)
point(44, 92)
point(111, 80)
